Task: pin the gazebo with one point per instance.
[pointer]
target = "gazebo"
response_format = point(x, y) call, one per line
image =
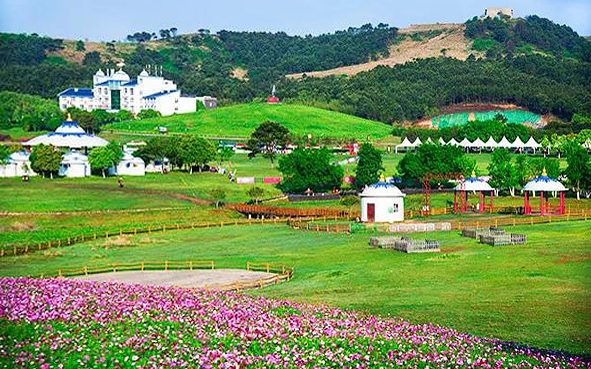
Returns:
point(472, 184)
point(70, 135)
point(544, 184)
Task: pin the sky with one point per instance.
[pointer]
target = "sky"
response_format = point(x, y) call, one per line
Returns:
point(105, 20)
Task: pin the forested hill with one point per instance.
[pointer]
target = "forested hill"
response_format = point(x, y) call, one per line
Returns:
point(531, 62)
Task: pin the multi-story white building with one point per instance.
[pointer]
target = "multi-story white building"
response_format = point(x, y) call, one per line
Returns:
point(495, 12)
point(113, 91)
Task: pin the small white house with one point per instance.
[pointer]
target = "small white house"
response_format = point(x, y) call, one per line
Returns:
point(74, 165)
point(129, 166)
point(382, 202)
point(18, 165)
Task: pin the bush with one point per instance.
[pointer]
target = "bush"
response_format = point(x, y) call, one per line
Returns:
point(349, 200)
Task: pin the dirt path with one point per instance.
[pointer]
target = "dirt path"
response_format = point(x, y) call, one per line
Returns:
point(210, 279)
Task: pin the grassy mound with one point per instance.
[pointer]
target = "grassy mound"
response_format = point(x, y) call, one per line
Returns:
point(241, 121)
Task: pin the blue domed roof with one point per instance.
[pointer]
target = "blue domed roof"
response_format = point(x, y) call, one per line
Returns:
point(544, 183)
point(382, 189)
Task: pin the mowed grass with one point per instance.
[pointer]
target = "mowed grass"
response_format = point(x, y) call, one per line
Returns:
point(536, 294)
point(239, 121)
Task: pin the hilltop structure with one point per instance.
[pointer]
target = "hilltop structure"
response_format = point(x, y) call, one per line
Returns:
point(113, 91)
point(495, 12)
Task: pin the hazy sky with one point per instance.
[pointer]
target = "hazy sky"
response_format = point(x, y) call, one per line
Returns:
point(105, 20)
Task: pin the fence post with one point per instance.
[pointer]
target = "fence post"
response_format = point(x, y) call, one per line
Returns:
point(267, 267)
point(143, 266)
point(212, 265)
point(248, 265)
point(531, 221)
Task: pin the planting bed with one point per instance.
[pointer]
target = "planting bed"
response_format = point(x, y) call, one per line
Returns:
point(51, 323)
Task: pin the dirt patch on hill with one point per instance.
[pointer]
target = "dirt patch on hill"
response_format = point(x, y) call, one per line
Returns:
point(240, 74)
point(451, 39)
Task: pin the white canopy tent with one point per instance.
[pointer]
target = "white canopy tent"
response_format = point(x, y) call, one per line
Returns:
point(504, 143)
point(532, 144)
point(465, 143)
point(478, 144)
point(417, 142)
point(453, 142)
point(441, 141)
point(518, 144)
point(405, 144)
point(491, 143)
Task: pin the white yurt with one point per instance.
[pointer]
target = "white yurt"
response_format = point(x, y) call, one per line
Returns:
point(74, 165)
point(18, 165)
point(157, 166)
point(382, 202)
point(69, 134)
point(129, 166)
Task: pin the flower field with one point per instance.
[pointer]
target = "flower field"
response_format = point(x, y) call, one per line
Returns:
point(58, 323)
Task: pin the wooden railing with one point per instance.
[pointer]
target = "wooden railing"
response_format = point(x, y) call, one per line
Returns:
point(292, 212)
point(17, 249)
point(282, 273)
point(306, 225)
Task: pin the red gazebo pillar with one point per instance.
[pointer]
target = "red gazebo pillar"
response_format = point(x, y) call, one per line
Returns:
point(561, 202)
point(455, 201)
point(527, 209)
point(462, 202)
point(492, 206)
point(541, 202)
point(480, 202)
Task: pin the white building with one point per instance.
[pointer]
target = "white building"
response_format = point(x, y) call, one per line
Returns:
point(495, 12)
point(113, 91)
point(74, 165)
point(129, 166)
point(18, 165)
point(382, 202)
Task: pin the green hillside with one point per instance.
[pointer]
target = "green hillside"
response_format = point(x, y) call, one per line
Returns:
point(241, 120)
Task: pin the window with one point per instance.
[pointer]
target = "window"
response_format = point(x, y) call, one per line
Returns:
point(395, 207)
point(131, 90)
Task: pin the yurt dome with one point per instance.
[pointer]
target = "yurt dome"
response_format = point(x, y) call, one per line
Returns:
point(68, 134)
point(382, 189)
point(544, 183)
point(473, 184)
point(120, 75)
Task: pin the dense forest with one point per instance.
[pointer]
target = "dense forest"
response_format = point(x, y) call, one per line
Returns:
point(505, 35)
point(556, 82)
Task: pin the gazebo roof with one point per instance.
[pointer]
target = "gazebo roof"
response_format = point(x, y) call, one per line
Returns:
point(473, 184)
point(544, 183)
point(382, 189)
point(68, 134)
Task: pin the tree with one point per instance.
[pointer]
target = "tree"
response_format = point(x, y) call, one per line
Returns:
point(522, 170)
point(256, 194)
point(267, 139)
point(4, 154)
point(45, 159)
point(105, 157)
point(159, 148)
point(195, 151)
point(164, 33)
point(309, 169)
point(173, 31)
point(369, 166)
point(80, 45)
point(503, 174)
point(92, 58)
point(577, 171)
point(123, 115)
point(148, 113)
point(225, 153)
point(552, 166)
point(218, 195)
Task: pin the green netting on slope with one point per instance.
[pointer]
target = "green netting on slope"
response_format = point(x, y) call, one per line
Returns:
point(513, 116)
point(450, 120)
point(460, 119)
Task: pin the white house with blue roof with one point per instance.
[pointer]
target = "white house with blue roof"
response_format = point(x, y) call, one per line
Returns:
point(382, 202)
point(113, 91)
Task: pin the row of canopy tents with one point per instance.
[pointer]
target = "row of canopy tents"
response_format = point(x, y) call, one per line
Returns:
point(477, 144)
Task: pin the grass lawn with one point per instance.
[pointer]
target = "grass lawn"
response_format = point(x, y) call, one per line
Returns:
point(536, 294)
point(17, 133)
point(239, 121)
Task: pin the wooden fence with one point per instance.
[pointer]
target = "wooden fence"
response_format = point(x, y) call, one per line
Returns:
point(309, 225)
point(282, 273)
point(292, 212)
point(16, 249)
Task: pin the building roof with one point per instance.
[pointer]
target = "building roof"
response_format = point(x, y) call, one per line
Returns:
point(18, 157)
point(129, 158)
point(69, 127)
point(473, 184)
point(132, 82)
point(544, 183)
point(106, 83)
point(158, 94)
point(77, 92)
point(382, 189)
